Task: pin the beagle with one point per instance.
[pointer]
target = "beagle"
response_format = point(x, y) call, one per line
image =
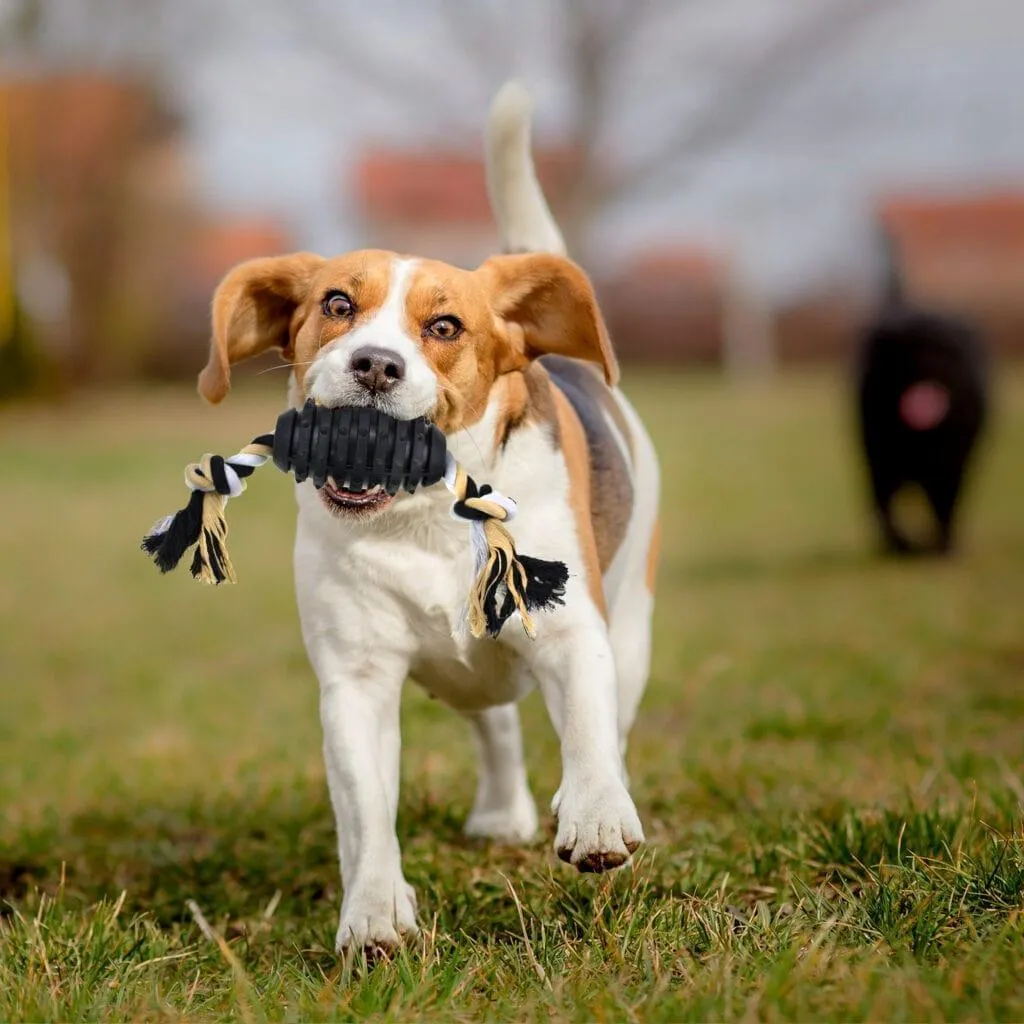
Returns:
point(512, 361)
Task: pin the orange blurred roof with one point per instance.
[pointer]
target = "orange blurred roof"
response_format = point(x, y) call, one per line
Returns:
point(69, 124)
point(219, 244)
point(439, 187)
point(675, 265)
point(995, 217)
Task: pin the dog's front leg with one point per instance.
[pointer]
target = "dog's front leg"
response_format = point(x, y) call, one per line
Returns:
point(359, 709)
point(598, 827)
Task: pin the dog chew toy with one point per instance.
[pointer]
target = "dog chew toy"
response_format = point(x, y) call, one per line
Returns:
point(359, 449)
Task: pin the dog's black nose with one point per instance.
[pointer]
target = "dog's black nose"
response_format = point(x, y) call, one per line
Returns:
point(377, 369)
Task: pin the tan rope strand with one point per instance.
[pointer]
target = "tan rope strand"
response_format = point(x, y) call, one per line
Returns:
point(515, 575)
point(489, 508)
point(476, 619)
point(263, 450)
point(215, 526)
point(461, 483)
point(488, 605)
point(198, 476)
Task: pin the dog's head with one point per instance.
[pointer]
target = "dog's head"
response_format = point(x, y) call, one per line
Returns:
point(411, 337)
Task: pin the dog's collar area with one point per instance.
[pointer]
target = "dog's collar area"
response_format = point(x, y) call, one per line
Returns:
point(924, 405)
point(360, 448)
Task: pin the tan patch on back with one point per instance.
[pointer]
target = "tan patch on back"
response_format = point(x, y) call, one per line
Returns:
point(574, 449)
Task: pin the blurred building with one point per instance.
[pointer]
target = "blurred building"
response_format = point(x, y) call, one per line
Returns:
point(435, 203)
point(665, 305)
point(964, 253)
point(668, 305)
point(216, 243)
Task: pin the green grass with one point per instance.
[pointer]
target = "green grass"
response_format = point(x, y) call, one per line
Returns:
point(828, 761)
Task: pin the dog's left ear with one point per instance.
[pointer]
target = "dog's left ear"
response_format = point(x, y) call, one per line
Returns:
point(551, 302)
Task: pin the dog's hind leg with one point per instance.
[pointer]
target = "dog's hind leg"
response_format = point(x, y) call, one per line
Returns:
point(634, 570)
point(883, 492)
point(943, 493)
point(503, 808)
point(630, 635)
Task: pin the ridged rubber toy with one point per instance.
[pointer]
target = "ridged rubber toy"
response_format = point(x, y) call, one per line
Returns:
point(359, 448)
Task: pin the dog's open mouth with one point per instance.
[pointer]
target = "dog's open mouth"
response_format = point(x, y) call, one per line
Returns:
point(340, 501)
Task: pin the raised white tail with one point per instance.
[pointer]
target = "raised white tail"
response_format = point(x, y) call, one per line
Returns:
point(519, 206)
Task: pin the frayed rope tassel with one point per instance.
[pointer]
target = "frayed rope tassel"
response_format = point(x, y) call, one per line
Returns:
point(201, 522)
point(506, 582)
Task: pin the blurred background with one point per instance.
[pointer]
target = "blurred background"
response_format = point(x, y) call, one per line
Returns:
point(722, 168)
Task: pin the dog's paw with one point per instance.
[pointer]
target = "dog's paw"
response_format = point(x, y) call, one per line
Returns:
point(377, 921)
point(598, 827)
point(516, 823)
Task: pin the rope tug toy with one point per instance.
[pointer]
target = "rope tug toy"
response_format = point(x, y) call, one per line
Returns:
point(361, 448)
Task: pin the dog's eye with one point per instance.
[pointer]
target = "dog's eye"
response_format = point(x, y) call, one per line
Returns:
point(447, 328)
point(338, 304)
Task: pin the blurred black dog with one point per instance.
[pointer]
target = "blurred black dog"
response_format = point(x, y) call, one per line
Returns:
point(923, 401)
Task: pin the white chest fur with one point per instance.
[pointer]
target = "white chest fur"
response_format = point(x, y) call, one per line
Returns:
point(396, 586)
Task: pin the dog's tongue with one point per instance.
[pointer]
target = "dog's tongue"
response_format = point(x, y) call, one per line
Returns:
point(923, 406)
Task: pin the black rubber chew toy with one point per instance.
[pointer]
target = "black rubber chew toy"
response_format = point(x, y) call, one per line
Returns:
point(358, 448)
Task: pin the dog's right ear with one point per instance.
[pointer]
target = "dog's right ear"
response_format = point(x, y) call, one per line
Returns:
point(255, 307)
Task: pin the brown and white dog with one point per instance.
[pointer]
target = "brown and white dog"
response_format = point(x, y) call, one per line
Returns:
point(513, 362)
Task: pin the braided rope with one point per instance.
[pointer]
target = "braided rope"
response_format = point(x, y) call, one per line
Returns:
point(212, 480)
point(213, 473)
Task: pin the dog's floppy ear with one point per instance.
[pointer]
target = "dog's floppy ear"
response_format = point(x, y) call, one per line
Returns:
point(552, 303)
point(254, 309)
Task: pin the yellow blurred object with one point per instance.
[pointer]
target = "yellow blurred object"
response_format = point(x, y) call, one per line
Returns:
point(6, 262)
point(913, 515)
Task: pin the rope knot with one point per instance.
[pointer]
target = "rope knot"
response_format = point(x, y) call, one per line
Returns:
point(506, 582)
point(213, 474)
point(212, 480)
point(483, 503)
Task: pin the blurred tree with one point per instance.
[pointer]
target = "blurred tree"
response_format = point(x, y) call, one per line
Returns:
point(76, 139)
point(21, 359)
